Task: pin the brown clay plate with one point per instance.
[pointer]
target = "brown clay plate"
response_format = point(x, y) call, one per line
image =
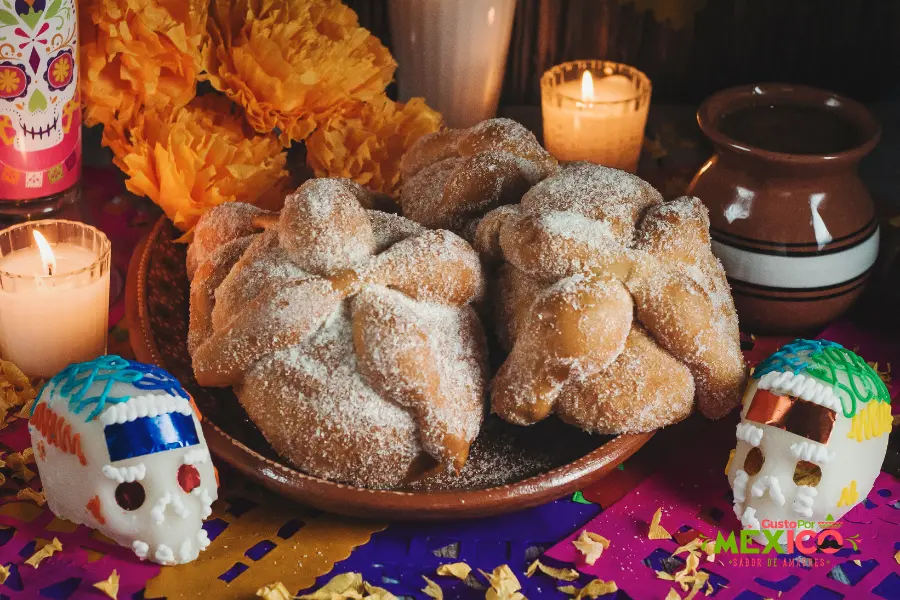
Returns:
point(509, 468)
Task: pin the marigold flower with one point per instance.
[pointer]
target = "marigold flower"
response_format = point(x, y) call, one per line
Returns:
point(366, 142)
point(291, 64)
point(192, 158)
point(137, 53)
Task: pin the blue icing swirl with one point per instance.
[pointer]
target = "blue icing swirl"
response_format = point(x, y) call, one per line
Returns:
point(74, 381)
point(795, 357)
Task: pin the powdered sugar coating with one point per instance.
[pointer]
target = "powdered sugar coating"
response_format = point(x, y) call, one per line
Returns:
point(314, 407)
point(227, 222)
point(324, 227)
point(296, 330)
point(592, 221)
point(614, 197)
point(452, 178)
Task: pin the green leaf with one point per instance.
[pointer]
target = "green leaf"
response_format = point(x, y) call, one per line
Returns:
point(7, 18)
point(53, 10)
point(31, 18)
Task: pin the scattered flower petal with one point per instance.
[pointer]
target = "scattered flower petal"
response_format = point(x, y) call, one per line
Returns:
point(432, 590)
point(274, 591)
point(340, 586)
point(561, 574)
point(30, 494)
point(597, 588)
point(504, 584)
point(459, 570)
point(591, 545)
point(46, 552)
point(657, 531)
point(110, 585)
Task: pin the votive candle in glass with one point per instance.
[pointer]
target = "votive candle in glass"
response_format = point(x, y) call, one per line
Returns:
point(595, 110)
point(54, 295)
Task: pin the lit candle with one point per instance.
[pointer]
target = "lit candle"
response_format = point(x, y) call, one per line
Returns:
point(54, 295)
point(595, 111)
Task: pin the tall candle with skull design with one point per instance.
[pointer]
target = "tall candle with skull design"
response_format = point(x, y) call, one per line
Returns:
point(40, 114)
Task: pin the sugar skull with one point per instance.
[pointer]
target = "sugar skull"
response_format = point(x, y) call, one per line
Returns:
point(119, 447)
point(812, 437)
point(38, 71)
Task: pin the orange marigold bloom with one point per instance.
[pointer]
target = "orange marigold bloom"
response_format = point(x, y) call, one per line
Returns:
point(137, 53)
point(192, 158)
point(367, 142)
point(293, 63)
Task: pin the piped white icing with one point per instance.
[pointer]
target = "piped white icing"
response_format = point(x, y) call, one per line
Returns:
point(771, 484)
point(164, 555)
point(749, 433)
point(812, 452)
point(158, 513)
point(803, 502)
point(122, 474)
point(196, 456)
point(204, 496)
point(179, 507)
point(144, 406)
point(740, 486)
point(141, 549)
point(800, 386)
point(749, 520)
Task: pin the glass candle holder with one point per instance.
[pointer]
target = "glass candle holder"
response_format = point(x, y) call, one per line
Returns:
point(595, 110)
point(54, 301)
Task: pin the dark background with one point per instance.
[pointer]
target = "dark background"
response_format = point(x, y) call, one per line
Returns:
point(691, 48)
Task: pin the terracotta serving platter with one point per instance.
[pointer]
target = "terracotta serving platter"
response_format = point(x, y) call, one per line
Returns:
point(509, 468)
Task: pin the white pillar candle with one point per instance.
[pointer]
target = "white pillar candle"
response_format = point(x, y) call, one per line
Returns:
point(54, 309)
point(595, 111)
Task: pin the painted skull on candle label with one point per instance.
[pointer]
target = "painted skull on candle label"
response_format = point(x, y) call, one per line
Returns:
point(119, 447)
point(38, 74)
point(812, 437)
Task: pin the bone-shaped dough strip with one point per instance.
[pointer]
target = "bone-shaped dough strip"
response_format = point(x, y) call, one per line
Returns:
point(436, 266)
point(553, 245)
point(577, 327)
point(207, 278)
point(269, 322)
point(683, 319)
point(396, 357)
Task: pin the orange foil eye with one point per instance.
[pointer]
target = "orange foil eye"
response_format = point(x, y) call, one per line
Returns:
point(806, 419)
point(768, 408)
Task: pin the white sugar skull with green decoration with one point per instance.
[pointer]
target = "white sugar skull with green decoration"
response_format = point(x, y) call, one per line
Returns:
point(119, 447)
point(38, 72)
point(812, 438)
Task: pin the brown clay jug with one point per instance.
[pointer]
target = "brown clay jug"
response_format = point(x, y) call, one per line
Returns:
point(790, 219)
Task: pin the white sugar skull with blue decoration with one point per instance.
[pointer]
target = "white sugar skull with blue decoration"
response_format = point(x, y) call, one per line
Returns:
point(119, 447)
point(812, 437)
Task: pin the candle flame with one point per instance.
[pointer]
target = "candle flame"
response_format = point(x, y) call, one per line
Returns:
point(47, 256)
point(587, 87)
